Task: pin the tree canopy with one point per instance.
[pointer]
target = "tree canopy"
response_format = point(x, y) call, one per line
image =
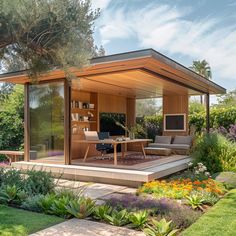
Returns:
point(43, 34)
point(202, 68)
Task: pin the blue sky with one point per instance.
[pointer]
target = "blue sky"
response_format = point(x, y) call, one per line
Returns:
point(184, 30)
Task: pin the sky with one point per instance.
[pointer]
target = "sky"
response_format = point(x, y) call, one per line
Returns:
point(184, 30)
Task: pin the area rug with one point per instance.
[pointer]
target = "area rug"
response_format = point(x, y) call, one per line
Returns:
point(130, 159)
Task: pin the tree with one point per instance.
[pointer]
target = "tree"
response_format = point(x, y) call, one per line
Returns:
point(11, 120)
point(195, 107)
point(202, 68)
point(228, 99)
point(147, 107)
point(44, 34)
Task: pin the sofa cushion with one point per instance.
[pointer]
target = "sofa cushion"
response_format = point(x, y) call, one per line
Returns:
point(171, 146)
point(182, 140)
point(163, 139)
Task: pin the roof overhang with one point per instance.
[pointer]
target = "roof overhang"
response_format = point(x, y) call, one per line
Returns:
point(140, 74)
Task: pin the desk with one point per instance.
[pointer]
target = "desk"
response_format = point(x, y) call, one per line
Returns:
point(12, 154)
point(114, 143)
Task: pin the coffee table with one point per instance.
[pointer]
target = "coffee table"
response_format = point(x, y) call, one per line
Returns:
point(157, 151)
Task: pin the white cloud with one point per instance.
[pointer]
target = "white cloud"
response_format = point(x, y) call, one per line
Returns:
point(102, 4)
point(168, 28)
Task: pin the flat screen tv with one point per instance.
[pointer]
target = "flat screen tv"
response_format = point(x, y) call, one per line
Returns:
point(108, 123)
point(174, 122)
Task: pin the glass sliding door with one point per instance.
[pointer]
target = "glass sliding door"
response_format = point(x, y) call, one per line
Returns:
point(46, 107)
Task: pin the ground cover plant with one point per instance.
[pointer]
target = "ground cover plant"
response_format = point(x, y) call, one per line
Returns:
point(19, 222)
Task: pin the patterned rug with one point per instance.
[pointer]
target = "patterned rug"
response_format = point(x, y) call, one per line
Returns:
point(130, 159)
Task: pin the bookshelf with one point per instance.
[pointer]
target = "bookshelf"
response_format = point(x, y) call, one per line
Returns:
point(84, 113)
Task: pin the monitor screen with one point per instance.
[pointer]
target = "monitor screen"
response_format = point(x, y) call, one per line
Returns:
point(108, 123)
point(174, 122)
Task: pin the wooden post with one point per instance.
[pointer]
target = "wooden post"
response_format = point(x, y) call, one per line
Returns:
point(26, 124)
point(67, 122)
point(207, 112)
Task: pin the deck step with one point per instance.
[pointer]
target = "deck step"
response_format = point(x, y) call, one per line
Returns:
point(124, 177)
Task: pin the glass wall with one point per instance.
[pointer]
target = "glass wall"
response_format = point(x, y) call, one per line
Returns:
point(46, 105)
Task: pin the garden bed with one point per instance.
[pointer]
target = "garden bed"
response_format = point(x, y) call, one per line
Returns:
point(158, 208)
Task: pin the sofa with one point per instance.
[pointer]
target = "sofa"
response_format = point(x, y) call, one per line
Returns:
point(178, 145)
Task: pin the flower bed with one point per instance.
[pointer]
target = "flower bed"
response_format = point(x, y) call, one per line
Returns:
point(180, 188)
point(163, 207)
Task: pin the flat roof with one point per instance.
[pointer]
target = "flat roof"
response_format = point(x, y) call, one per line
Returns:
point(147, 61)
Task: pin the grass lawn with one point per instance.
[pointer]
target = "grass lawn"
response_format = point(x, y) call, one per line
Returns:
point(19, 222)
point(219, 221)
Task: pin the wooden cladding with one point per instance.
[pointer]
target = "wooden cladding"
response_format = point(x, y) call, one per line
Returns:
point(173, 104)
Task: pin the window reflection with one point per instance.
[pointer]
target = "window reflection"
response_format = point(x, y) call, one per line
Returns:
point(46, 102)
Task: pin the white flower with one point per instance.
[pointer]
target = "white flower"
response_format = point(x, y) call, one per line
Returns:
point(207, 173)
point(196, 172)
point(190, 164)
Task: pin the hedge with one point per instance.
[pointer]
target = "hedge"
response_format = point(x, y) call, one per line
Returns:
point(218, 117)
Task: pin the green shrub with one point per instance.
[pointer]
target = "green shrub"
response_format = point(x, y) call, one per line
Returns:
point(223, 116)
point(32, 203)
point(219, 116)
point(100, 212)
point(46, 203)
point(160, 228)
point(11, 195)
point(59, 207)
point(118, 218)
point(81, 208)
point(153, 125)
point(38, 182)
point(138, 219)
point(195, 201)
point(215, 152)
point(11, 177)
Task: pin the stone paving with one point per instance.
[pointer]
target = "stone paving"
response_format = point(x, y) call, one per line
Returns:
point(76, 227)
point(95, 191)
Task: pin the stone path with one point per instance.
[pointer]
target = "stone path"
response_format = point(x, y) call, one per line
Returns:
point(76, 227)
point(95, 191)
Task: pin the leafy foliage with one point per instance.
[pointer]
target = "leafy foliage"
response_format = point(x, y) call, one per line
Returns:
point(46, 36)
point(81, 208)
point(118, 218)
point(46, 203)
point(138, 219)
point(215, 152)
point(11, 194)
point(153, 125)
point(11, 120)
point(32, 203)
point(160, 228)
point(100, 212)
point(195, 201)
point(38, 182)
point(11, 177)
point(59, 207)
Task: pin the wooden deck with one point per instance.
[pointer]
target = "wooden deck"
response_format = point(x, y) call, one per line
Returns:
point(133, 175)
